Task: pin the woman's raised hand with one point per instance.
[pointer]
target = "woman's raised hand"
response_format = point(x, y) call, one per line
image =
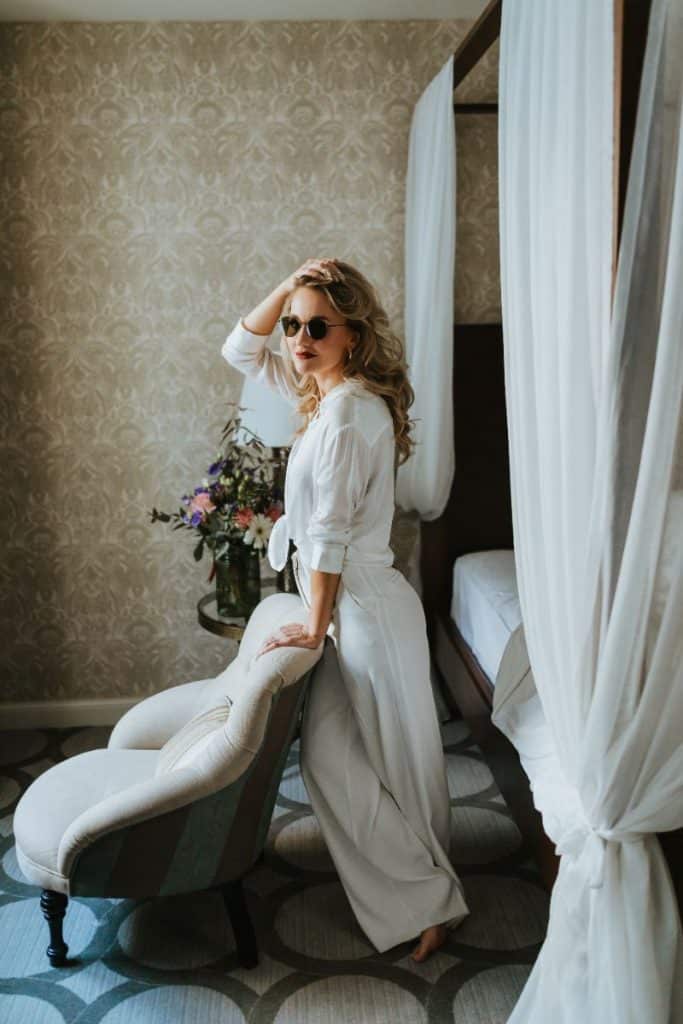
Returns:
point(263, 317)
point(324, 269)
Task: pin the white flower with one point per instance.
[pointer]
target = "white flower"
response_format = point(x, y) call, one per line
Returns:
point(258, 531)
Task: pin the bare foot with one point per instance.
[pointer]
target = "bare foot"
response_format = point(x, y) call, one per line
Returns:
point(430, 940)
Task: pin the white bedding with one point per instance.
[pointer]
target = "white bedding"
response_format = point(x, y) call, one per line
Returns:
point(485, 605)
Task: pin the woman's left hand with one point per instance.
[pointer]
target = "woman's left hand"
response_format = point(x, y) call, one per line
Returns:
point(293, 634)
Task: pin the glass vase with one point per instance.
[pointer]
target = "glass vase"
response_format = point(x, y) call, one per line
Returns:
point(238, 581)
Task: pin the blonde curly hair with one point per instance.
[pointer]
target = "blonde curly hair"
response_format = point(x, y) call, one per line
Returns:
point(377, 360)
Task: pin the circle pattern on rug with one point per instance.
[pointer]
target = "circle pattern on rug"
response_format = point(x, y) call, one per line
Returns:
point(177, 933)
point(166, 959)
point(508, 913)
point(350, 999)
point(9, 791)
point(301, 844)
point(18, 745)
point(169, 1003)
point(19, 959)
point(303, 924)
point(20, 1009)
point(292, 786)
point(491, 995)
point(92, 738)
point(467, 775)
point(10, 866)
point(480, 835)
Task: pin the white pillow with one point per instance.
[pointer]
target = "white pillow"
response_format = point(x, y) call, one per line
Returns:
point(186, 745)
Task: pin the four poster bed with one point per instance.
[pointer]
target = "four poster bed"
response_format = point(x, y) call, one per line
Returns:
point(467, 562)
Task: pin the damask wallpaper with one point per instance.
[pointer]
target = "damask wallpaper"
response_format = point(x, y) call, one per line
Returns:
point(158, 180)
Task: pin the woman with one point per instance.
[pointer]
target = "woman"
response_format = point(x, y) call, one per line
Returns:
point(371, 753)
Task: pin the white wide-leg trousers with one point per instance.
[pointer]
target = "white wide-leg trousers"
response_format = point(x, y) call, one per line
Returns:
point(372, 759)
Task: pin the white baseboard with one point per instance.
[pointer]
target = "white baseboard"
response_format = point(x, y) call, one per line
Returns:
point(63, 714)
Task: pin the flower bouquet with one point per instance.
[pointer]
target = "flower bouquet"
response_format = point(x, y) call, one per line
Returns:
point(233, 512)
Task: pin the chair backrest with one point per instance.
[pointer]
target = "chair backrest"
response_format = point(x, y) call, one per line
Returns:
point(241, 736)
point(234, 750)
point(228, 728)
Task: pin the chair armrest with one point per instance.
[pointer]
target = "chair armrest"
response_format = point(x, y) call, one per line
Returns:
point(149, 799)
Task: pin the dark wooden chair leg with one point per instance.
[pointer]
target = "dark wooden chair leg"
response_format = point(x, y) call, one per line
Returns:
point(245, 937)
point(53, 905)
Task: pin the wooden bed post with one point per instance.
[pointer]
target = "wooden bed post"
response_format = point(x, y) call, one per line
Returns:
point(631, 18)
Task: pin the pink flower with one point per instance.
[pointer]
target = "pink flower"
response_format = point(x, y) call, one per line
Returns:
point(201, 503)
point(243, 516)
point(274, 512)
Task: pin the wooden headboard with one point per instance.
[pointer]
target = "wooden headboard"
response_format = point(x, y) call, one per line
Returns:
point(478, 515)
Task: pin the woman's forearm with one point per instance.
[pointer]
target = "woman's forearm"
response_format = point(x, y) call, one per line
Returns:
point(323, 593)
point(263, 318)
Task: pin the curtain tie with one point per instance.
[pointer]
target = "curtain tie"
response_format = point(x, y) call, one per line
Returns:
point(590, 841)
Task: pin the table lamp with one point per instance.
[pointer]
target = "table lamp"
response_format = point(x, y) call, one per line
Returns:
point(274, 420)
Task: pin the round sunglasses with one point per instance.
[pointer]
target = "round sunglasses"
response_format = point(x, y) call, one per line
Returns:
point(316, 328)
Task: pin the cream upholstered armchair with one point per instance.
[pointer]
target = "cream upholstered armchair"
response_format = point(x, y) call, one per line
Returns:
point(182, 797)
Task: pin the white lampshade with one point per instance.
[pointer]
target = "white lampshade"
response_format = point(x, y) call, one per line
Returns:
point(269, 416)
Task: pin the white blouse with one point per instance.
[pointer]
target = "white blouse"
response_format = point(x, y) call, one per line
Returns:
point(339, 485)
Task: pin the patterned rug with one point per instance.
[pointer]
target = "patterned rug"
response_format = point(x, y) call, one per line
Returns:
point(173, 960)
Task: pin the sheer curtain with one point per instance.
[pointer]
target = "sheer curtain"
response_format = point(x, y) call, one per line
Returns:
point(595, 426)
point(424, 481)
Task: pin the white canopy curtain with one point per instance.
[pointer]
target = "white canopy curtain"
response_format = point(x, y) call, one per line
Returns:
point(596, 450)
point(424, 481)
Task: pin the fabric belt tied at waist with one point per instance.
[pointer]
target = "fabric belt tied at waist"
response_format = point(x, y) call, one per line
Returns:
point(278, 544)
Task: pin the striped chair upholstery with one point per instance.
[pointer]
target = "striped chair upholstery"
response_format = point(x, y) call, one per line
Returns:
point(182, 797)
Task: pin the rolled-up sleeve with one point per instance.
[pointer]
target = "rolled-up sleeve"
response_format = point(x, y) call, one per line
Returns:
point(249, 353)
point(342, 472)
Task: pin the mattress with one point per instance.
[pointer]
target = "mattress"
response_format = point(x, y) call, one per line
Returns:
point(485, 605)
